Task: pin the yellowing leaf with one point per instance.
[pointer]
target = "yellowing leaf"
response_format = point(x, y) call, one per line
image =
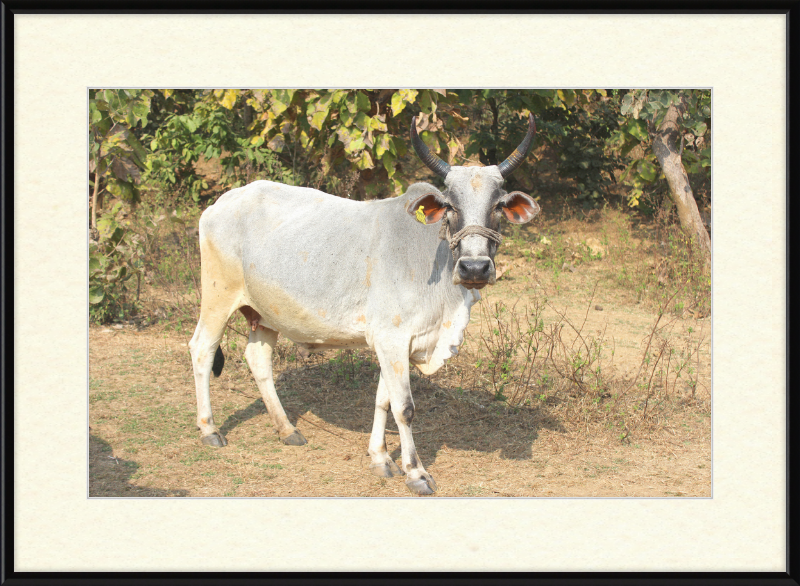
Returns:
point(229, 99)
point(318, 119)
point(382, 145)
point(400, 98)
point(278, 107)
point(453, 145)
point(397, 103)
point(409, 95)
point(365, 162)
point(421, 215)
point(376, 124)
point(567, 96)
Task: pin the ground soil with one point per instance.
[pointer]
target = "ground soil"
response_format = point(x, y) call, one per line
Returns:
point(144, 443)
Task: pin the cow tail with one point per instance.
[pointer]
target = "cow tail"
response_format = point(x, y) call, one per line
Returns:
point(219, 362)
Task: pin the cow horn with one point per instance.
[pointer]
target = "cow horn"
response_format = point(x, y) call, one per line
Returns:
point(433, 162)
point(514, 160)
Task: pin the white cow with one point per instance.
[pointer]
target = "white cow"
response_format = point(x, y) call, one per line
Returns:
point(328, 272)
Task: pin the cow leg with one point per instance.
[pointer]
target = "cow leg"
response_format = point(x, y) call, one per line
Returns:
point(382, 464)
point(202, 347)
point(395, 374)
point(259, 358)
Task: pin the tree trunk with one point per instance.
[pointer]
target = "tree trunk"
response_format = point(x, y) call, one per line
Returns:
point(94, 198)
point(681, 192)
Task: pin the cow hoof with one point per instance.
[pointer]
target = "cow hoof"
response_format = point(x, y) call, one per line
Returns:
point(422, 486)
point(215, 439)
point(386, 470)
point(296, 439)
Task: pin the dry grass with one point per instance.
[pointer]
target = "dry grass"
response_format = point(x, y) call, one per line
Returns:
point(571, 382)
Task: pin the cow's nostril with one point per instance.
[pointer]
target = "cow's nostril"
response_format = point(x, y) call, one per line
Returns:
point(475, 269)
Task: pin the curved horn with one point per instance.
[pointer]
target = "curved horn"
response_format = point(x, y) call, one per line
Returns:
point(433, 162)
point(508, 166)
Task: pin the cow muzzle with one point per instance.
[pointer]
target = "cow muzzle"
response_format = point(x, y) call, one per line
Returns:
point(474, 272)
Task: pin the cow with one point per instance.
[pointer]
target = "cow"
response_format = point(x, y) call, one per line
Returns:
point(329, 272)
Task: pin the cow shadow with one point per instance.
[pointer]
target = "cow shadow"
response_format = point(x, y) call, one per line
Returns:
point(446, 415)
point(110, 476)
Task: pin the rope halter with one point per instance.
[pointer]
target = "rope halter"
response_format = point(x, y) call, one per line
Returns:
point(454, 239)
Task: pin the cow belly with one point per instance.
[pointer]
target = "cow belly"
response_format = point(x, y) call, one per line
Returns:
point(314, 327)
point(313, 333)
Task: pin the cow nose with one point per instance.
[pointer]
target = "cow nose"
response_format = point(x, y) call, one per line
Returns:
point(475, 270)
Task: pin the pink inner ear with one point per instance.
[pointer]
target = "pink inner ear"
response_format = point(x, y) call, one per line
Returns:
point(520, 208)
point(431, 207)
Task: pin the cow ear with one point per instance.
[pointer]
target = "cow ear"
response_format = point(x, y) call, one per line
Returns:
point(433, 208)
point(519, 208)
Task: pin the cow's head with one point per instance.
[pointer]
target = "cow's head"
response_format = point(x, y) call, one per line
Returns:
point(471, 207)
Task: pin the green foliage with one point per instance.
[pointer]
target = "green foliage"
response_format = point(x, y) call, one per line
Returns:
point(114, 259)
point(645, 111)
point(115, 153)
point(341, 133)
point(581, 135)
point(210, 127)
point(159, 147)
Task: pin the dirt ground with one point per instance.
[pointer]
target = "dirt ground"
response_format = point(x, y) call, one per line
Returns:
point(144, 443)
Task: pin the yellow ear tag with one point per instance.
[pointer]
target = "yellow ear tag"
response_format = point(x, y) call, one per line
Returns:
point(421, 215)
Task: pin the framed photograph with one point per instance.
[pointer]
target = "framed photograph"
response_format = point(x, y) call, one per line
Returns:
point(90, 448)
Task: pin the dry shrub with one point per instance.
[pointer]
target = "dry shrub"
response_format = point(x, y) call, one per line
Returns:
point(171, 266)
point(656, 260)
point(561, 368)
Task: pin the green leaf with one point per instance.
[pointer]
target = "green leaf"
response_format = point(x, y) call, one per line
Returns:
point(117, 235)
point(637, 129)
point(362, 121)
point(94, 264)
point(426, 103)
point(346, 117)
point(567, 96)
point(103, 126)
point(627, 171)
point(362, 102)
point(700, 129)
point(388, 163)
point(351, 103)
point(141, 110)
point(96, 295)
point(138, 149)
point(647, 170)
